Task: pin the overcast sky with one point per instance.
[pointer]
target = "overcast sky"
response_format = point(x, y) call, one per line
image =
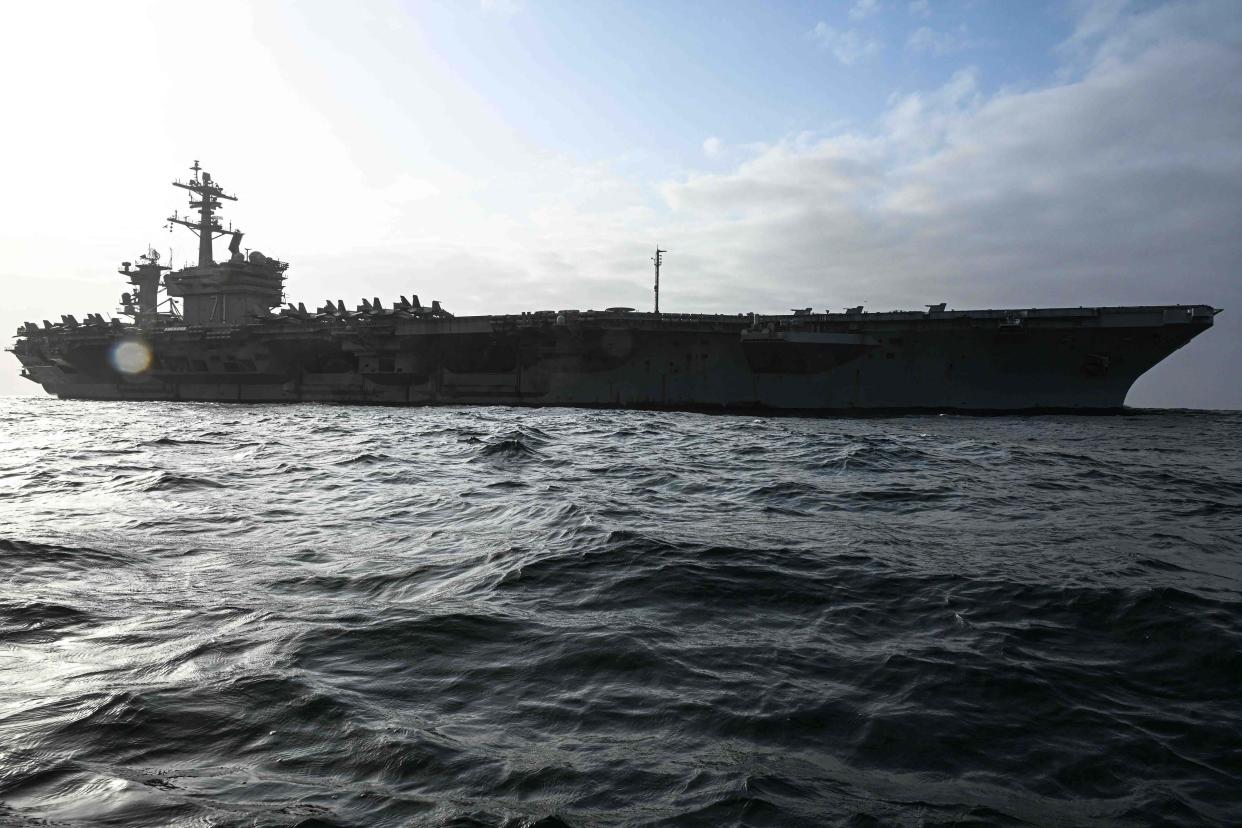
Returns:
point(512, 155)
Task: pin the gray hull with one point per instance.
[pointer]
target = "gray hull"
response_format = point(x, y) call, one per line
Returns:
point(1006, 360)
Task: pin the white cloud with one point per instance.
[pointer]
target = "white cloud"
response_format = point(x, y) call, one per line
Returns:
point(712, 147)
point(502, 8)
point(920, 8)
point(848, 46)
point(864, 8)
point(925, 39)
point(1109, 32)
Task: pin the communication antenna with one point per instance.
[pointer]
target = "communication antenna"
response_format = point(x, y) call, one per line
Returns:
point(659, 260)
point(205, 196)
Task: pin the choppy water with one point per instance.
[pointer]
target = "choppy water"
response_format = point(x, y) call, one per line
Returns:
point(235, 615)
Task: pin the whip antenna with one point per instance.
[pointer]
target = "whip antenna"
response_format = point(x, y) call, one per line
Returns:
point(659, 260)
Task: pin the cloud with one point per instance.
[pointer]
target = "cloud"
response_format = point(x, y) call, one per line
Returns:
point(712, 147)
point(925, 39)
point(500, 8)
point(920, 8)
point(848, 46)
point(864, 8)
point(1110, 32)
point(1066, 183)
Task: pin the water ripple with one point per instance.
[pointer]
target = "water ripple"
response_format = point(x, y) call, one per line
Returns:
point(327, 615)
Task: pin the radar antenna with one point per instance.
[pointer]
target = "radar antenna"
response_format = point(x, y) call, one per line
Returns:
point(208, 195)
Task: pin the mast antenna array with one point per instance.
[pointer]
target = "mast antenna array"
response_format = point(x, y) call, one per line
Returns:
point(205, 197)
point(658, 258)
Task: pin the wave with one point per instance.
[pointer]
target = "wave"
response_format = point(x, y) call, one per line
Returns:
point(20, 553)
point(167, 481)
point(179, 441)
point(365, 459)
point(38, 622)
point(509, 449)
point(516, 616)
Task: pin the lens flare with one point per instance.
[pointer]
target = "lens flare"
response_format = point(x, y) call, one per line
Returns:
point(131, 357)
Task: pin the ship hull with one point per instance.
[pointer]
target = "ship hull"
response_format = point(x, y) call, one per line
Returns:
point(981, 361)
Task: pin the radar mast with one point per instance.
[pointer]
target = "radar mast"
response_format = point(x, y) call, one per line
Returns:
point(208, 195)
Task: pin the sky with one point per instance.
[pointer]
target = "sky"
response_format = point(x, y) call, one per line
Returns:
point(510, 155)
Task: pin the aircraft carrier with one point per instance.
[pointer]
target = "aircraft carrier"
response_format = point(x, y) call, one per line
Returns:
point(220, 331)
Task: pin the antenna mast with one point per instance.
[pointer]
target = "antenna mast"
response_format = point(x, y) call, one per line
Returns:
point(209, 194)
point(659, 260)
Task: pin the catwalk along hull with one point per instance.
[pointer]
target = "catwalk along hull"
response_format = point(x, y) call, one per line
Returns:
point(991, 360)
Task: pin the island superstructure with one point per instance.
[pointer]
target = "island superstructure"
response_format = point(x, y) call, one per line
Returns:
point(217, 331)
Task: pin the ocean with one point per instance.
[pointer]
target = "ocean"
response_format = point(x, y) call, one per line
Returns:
point(228, 615)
